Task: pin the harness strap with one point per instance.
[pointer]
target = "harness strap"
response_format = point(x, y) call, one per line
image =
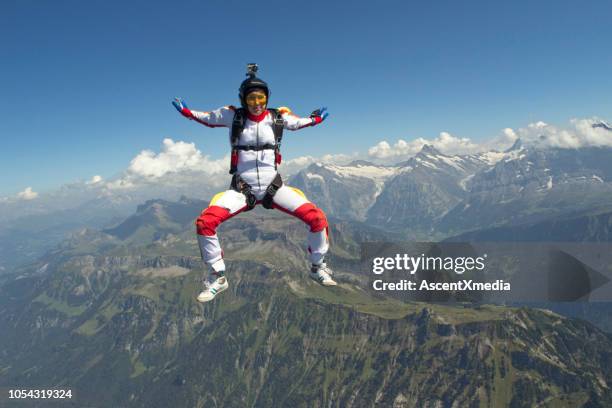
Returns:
point(237, 128)
point(277, 127)
point(277, 183)
point(278, 124)
point(241, 186)
point(266, 146)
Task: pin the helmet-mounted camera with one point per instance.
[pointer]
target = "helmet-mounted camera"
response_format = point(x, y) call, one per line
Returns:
point(252, 69)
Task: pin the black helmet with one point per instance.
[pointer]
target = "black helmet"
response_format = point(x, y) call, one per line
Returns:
point(251, 83)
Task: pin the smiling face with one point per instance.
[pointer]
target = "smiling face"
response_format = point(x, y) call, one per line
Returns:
point(256, 101)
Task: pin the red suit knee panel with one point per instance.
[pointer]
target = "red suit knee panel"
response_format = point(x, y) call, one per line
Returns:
point(313, 216)
point(209, 220)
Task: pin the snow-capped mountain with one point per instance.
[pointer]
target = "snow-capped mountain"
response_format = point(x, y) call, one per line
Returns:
point(435, 193)
point(346, 192)
point(425, 188)
point(530, 184)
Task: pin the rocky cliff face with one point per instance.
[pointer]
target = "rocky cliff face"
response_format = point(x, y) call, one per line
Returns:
point(426, 187)
point(345, 192)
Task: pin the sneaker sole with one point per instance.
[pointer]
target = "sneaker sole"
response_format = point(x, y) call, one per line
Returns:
point(322, 283)
point(205, 300)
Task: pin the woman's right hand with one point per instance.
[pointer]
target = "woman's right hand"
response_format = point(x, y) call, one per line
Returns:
point(182, 108)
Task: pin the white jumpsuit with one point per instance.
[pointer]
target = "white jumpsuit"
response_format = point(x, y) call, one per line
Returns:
point(257, 168)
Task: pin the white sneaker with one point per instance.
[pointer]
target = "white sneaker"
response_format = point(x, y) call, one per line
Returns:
point(322, 274)
point(212, 289)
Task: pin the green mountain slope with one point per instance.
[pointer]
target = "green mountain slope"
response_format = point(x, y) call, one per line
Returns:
point(116, 321)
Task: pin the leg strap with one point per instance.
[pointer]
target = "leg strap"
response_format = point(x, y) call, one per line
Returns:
point(277, 183)
point(241, 186)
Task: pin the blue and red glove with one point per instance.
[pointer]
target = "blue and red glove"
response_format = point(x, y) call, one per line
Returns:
point(318, 116)
point(182, 108)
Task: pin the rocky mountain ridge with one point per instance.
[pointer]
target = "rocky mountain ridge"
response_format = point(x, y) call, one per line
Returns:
point(433, 195)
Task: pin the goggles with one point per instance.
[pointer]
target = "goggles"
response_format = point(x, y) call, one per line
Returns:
point(256, 98)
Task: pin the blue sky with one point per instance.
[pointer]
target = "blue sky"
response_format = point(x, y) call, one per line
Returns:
point(87, 85)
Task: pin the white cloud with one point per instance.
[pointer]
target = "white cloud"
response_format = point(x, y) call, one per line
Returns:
point(178, 165)
point(339, 158)
point(175, 157)
point(27, 194)
point(294, 165)
point(455, 145)
point(119, 184)
point(499, 143)
point(579, 134)
point(445, 142)
point(95, 180)
point(300, 161)
point(509, 134)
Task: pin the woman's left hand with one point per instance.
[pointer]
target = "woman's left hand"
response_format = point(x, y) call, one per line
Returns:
point(319, 115)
